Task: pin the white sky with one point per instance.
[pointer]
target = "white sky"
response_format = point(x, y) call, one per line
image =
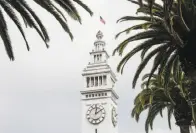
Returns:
point(40, 90)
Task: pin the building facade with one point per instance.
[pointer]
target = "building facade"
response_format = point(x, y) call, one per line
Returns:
point(98, 98)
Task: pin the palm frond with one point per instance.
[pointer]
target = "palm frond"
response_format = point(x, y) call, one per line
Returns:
point(31, 18)
point(143, 35)
point(7, 8)
point(37, 19)
point(144, 18)
point(145, 61)
point(147, 76)
point(84, 6)
point(157, 62)
point(135, 27)
point(153, 112)
point(5, 36)
point(154, 98)
point(169, 114)
point(155, 12)
point(155, 5)
point(168, 68)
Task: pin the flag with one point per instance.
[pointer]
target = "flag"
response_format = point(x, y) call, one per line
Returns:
point(102, 20)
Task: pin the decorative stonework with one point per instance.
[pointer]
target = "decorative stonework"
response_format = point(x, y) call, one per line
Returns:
point(99, 35)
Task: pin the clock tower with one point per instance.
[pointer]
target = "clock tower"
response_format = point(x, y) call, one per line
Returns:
point(98, 98)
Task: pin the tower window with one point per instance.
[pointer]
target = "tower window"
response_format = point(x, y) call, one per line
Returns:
point(88, 81)
point(100, 80)
point(92, 95)
point(94, 58)
point(96, 81)
point(100, 57)
point(99, 94)
point(105, 94)
point(104, 80)
point(97, 57)
point(86, 96)
point(92, 81)
point(95, 94)
point(95, 130)
point(102, 94)
point(89, 95)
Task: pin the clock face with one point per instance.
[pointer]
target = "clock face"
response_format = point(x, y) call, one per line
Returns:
point(95, 114)
point(114, 116)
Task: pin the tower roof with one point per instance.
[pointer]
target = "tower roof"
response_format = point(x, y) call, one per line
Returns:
point(99, 35)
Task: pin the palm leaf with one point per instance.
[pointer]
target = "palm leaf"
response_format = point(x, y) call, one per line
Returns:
point(157, 62)
point(144, 18)
point(155, 5)
point(31, 18)
point(145, 61)
point(155, 12)
point(5, 36)
point(7, 8)
point(143, 35)
point(144, 51)
point(147, 76)
point(135, 27)
point(168, 70)
point(169, 114)
point(84, 6)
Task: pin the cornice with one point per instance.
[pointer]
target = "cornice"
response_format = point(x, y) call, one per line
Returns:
point(100, 90)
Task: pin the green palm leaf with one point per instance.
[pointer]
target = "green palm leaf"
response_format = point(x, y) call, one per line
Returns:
point(169, 114)
point(145, 61)
point(143, 35)
point(135, 27)
point(144, 18)
point(155, 100)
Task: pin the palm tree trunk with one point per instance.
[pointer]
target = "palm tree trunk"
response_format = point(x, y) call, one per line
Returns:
point(192, 95)
point(184, 129)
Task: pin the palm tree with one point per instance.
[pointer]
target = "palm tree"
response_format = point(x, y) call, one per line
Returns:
point(155, 98)
point(32, 20)
point(167, 4)
point(169, 36)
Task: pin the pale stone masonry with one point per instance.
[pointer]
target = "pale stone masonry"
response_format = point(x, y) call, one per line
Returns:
point(98, 98)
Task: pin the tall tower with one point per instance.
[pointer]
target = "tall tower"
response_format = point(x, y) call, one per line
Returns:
point(98, 98)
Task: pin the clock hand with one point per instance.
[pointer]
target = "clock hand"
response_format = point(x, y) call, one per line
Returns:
point(95, 109)
point(99, 111)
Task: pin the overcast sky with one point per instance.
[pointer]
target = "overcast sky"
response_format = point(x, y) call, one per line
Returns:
point(39, 91)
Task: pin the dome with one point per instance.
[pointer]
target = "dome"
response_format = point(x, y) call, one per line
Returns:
point(99, 35)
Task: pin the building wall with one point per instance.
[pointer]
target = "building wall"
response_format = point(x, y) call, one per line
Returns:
point(106, 126)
